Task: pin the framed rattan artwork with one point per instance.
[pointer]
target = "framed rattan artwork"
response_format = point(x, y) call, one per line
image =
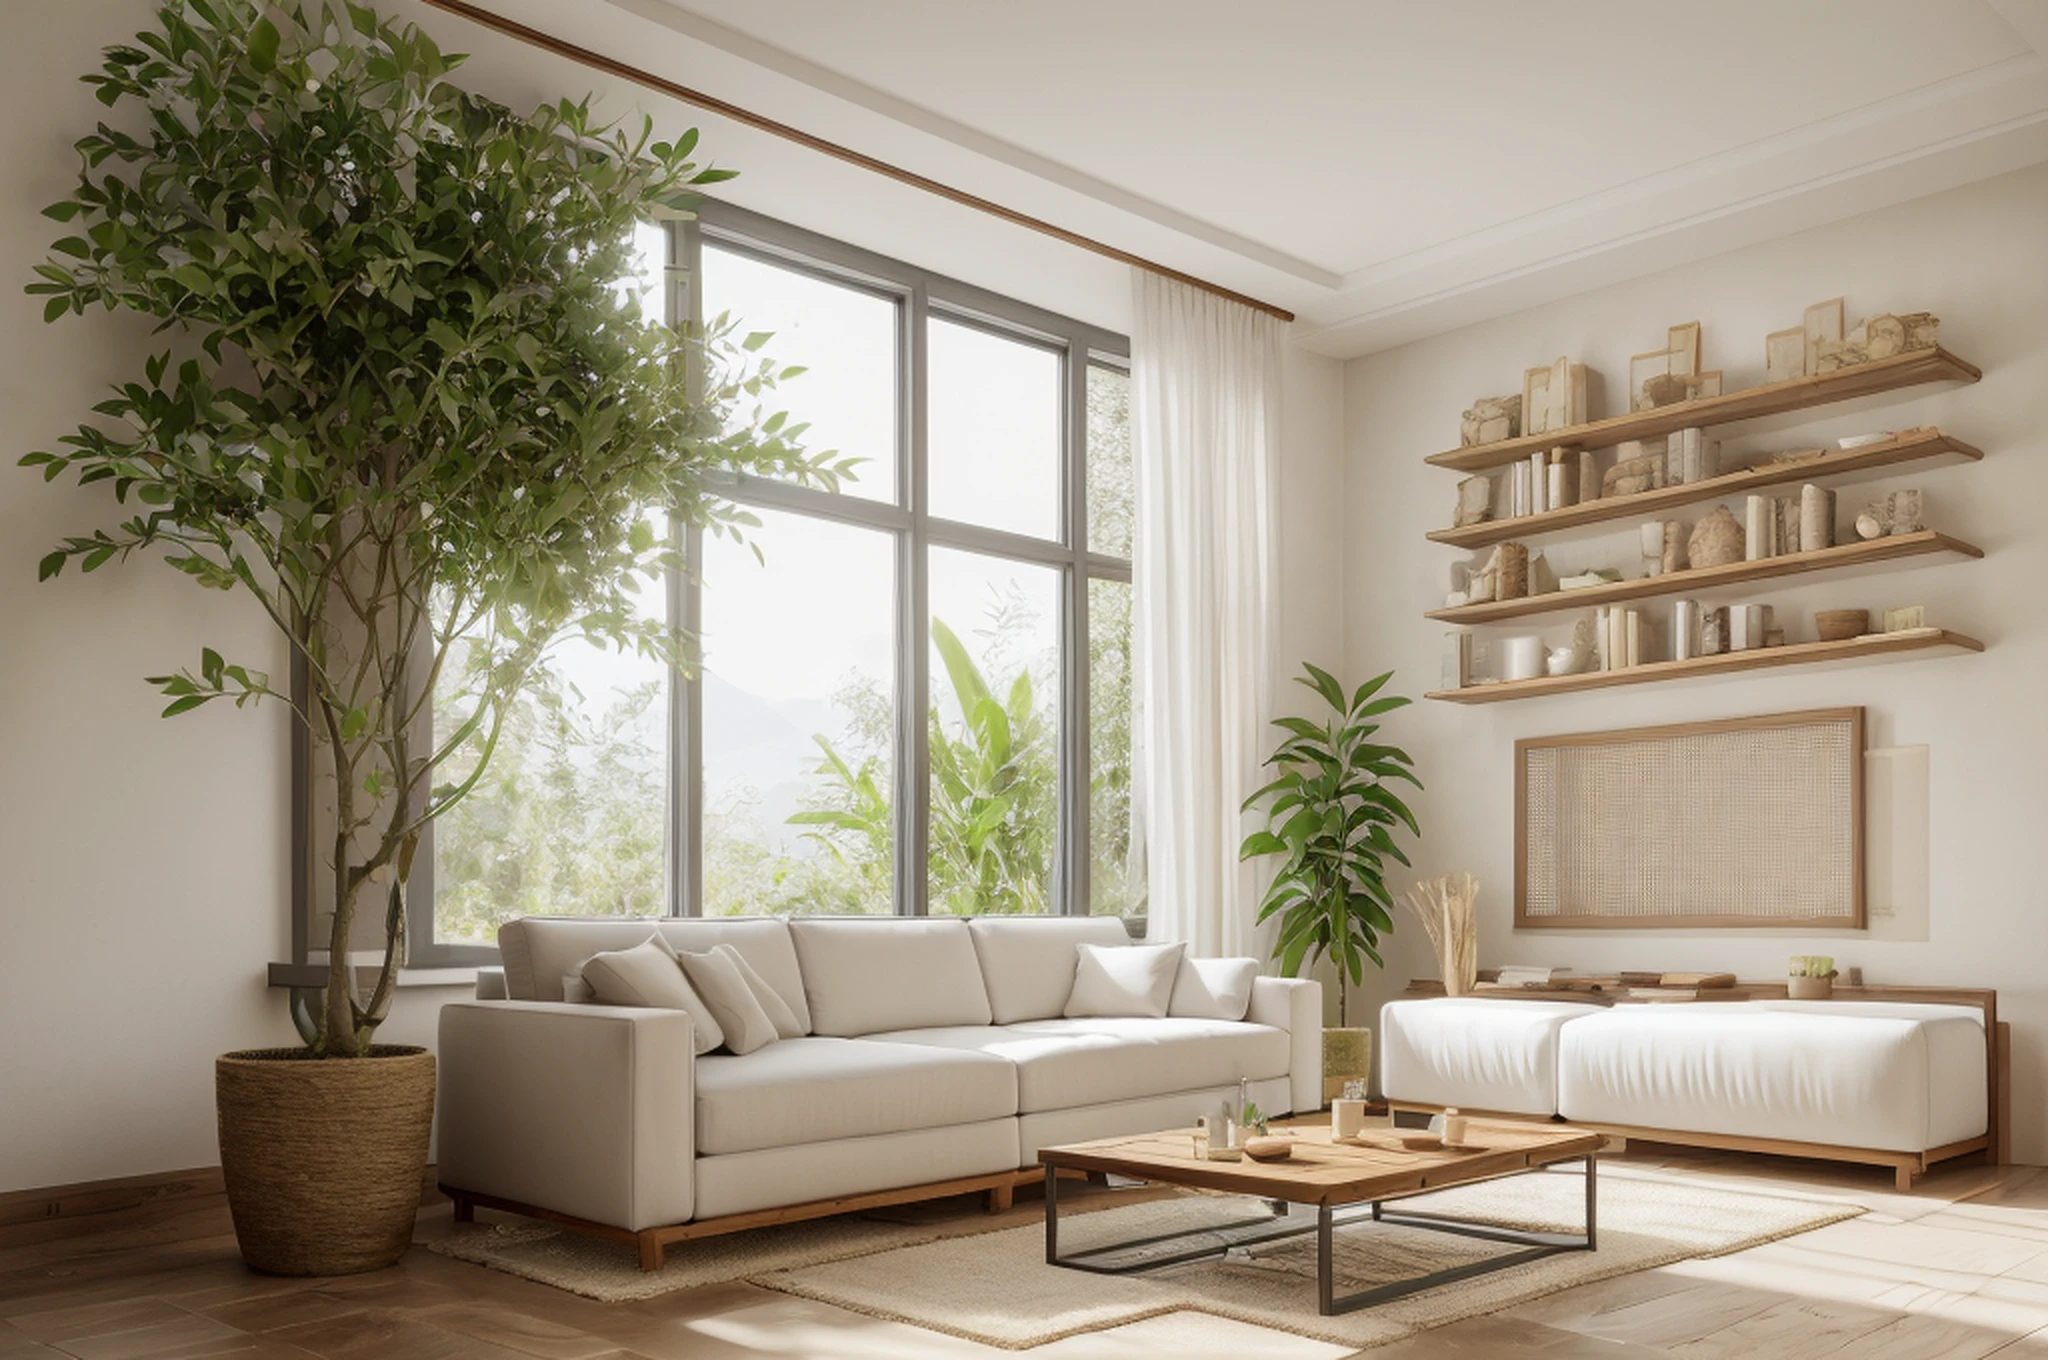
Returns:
point(1741, 822)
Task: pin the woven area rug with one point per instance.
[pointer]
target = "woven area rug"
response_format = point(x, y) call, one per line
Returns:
point(997, 1289)
point(993, 1285)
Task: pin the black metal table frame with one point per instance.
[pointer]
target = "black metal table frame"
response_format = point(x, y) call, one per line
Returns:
point(1277, 1227)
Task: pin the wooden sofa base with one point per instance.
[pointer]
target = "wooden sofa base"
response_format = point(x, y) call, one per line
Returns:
point(998, 1188)
point(1906, 1165)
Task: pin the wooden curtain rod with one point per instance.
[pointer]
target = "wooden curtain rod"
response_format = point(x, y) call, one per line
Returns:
point(598, 61)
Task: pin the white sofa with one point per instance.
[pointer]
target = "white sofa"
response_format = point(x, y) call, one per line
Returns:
point(935, 1058)
point(1903, 1084)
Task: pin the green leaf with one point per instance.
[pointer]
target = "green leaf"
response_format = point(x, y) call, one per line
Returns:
point(184, 705)
point(1323, 683)
point(51, 564)
point(263, 40)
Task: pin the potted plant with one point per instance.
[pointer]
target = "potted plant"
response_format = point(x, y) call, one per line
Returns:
point(408, 406)
point(1810, 977)
point(1332, 814)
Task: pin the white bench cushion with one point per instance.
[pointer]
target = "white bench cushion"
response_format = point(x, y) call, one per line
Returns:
point(1063, 1063)
point(1479, 1053)
point(1893, 1079)
point(863, 975)
point(816, 1089)
point(1028, 961)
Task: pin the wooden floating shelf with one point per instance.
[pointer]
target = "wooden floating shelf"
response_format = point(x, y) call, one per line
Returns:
point(1908, 446)
point(1872, 646)
point(1859, 554)
point(1910, 369)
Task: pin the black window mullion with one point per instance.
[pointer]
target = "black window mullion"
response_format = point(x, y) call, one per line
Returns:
point(686, 612)
point(913, 673)
point(1074, 779)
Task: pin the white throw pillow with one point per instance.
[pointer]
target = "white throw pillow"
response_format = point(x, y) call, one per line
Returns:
point(716, 978)
point(787, 1026)
point(1124, 980)
point(1213, 989)
point(647, 975)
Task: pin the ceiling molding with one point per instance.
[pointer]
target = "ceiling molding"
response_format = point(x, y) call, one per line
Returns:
point(783, 62)
point(1940, 136)
point(1983, 123)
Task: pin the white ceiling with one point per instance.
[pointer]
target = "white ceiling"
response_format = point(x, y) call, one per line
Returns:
point(1388, 168)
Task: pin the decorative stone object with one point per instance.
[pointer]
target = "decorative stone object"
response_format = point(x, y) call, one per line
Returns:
point(1576, 658)
point(1905, 618)
point(1674, 547)
point(1475, 501)
point(1589, 476)
point(1510, 563)
point(1898, 513)
point(1629, 476)
point(1599, 576)
point(1716, 540)
point(1904, 505)
point(1542, 579)
point(1490, 420)
point(1713, 631)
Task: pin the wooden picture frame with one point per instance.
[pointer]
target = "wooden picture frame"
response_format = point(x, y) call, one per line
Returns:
point(1652, 828)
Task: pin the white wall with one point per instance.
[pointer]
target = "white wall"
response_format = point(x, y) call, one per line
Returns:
point(146, 860)
point(1976, 256)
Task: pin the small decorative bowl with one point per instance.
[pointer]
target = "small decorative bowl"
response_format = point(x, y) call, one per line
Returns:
point(1810, 988)
point(1838, 625)
point(1269, 1149)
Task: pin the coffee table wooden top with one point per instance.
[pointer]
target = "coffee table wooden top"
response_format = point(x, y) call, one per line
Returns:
point(1325, 1171)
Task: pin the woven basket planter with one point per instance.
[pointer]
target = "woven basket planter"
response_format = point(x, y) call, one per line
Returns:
point(324, 1157)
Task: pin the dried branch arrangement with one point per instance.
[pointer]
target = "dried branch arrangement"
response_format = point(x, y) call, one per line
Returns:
point(1445, 907)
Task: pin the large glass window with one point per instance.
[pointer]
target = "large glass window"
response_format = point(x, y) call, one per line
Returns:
point(799, 719)
point(911, 693)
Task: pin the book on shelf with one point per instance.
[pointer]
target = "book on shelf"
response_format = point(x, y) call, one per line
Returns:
point(1665, 994)
point(1518, 975)
point(1707, 980)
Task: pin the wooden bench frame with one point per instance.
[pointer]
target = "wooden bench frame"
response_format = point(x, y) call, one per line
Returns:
point(997, 1188)
point(1995, 1143)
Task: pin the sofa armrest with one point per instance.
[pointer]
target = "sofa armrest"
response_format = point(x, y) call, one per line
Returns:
point(1295, 1005)
point(583, 1110)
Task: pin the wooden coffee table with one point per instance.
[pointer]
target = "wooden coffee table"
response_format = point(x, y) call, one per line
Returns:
point(1306, 1191)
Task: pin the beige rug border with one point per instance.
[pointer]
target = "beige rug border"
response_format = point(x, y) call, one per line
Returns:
point(1841, 1212)
point(449, 1247)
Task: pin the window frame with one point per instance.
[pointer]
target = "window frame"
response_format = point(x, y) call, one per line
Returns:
point(920, 296)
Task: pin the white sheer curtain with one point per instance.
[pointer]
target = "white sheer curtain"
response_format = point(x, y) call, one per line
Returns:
point(1205, 399)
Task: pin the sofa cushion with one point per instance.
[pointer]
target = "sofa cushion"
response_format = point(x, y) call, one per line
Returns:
point(648, 975)
point(772, 1005)
point(1027, 962)
point(864, 975)
point(818, 1089)
point(538, 951)
point(1134, 980)
point(740, 1017)
point(1213, 989)
point(1481, 1053)
point(1062, 1063)
point(1899, 1083)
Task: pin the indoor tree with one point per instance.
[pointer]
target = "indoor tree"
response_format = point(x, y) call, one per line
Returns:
point(1332, 814)
point(406, 401)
